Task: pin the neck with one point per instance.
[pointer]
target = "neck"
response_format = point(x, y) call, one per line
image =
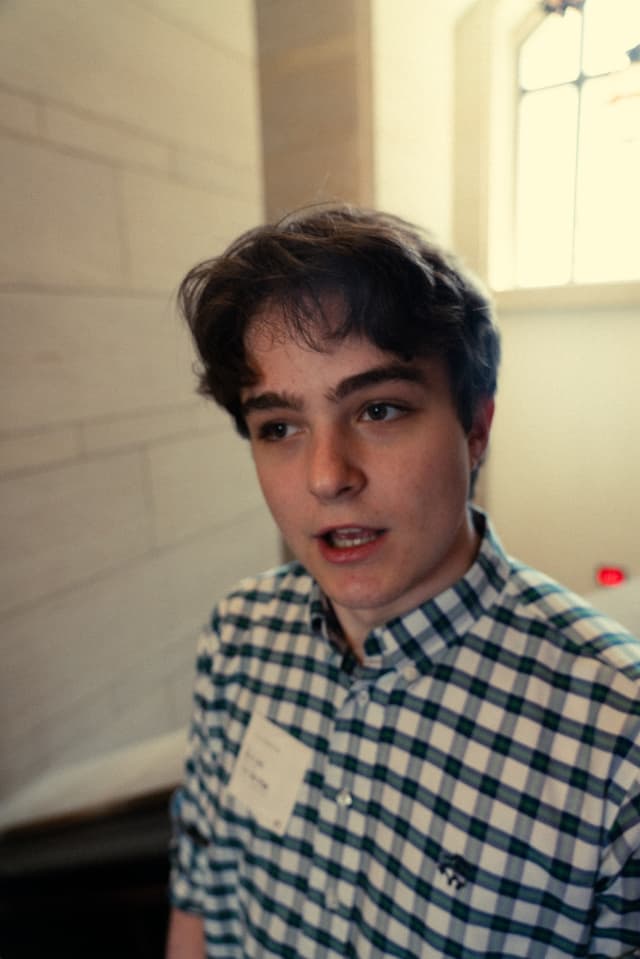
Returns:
point(354, 625)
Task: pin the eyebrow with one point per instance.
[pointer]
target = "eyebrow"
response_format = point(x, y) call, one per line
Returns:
point(391, 372)
point(272, 401)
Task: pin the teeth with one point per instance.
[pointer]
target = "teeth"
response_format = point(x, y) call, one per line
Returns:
point(348, 538)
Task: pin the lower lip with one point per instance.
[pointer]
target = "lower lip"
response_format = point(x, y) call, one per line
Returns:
point(350, 554)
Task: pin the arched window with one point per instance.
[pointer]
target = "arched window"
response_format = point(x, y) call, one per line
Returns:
point(577, 183)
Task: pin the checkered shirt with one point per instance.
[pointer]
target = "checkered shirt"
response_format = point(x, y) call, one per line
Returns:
point(473, 788)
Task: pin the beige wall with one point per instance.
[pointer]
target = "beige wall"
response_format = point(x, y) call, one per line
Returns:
point(357, 103)
point(130, 147)
point(412, 101)
point(564, 470)
point(315, 89)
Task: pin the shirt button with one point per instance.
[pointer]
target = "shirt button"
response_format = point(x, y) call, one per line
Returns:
point(410, 674)
point(363, 697)
point(344, 798)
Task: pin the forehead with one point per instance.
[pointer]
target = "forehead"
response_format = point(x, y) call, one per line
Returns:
point(278, 337)
point(320, 363)
point(306, 321)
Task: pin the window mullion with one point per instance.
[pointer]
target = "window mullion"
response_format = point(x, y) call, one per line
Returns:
point(576, 165)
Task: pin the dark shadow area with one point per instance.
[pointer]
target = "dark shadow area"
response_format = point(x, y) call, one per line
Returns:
point(90, 885)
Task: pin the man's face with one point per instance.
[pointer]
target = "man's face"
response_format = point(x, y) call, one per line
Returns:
point(365, 467)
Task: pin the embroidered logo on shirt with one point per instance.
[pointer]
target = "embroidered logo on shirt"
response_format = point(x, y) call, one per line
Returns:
point(455, 869)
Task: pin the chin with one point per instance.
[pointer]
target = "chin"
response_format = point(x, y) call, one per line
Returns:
point(364, 598)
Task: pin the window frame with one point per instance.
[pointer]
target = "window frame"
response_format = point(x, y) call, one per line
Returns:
point(484, 201)
point(576, 159)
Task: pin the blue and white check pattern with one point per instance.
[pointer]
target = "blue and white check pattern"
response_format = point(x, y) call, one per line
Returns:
point(474, 788)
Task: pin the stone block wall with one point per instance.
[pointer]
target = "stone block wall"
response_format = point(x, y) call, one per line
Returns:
point(129, 149)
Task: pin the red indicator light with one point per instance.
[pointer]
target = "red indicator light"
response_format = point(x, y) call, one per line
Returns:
point(610, 576)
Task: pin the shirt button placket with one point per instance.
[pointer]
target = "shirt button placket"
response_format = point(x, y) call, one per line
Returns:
point(334, 811)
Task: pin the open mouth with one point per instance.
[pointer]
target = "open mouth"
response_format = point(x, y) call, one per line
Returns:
point(349, 537)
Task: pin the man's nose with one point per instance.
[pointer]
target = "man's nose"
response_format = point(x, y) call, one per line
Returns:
point(333, 465)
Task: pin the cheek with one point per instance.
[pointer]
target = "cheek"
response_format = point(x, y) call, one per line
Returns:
point(278, 491)
point(267, 484)
point(443, 472)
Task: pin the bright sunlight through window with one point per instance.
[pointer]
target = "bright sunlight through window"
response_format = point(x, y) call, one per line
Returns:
point(578, 151)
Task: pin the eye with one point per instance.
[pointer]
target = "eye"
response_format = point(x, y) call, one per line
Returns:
point(379, 412)
point(275, 430)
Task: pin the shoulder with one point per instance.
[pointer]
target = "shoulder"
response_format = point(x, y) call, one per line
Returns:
point(569, 628)
point(288, 586)
point(278, 599)
point(547, 629)
point(571, 670)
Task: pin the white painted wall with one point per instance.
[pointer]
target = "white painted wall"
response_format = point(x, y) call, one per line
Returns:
point(129, 149)
point(564, 469)
point(413, 120)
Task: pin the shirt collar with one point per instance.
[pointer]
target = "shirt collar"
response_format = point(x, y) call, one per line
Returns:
point(422, 634)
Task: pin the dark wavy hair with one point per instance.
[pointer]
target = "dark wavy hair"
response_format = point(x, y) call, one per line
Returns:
point(399, 288)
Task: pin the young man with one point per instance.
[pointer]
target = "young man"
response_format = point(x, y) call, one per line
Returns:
point(404, 743)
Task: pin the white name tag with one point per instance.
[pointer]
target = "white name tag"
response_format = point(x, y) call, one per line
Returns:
point(268, 773)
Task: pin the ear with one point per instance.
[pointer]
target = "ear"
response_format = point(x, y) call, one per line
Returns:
point(478, 436)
